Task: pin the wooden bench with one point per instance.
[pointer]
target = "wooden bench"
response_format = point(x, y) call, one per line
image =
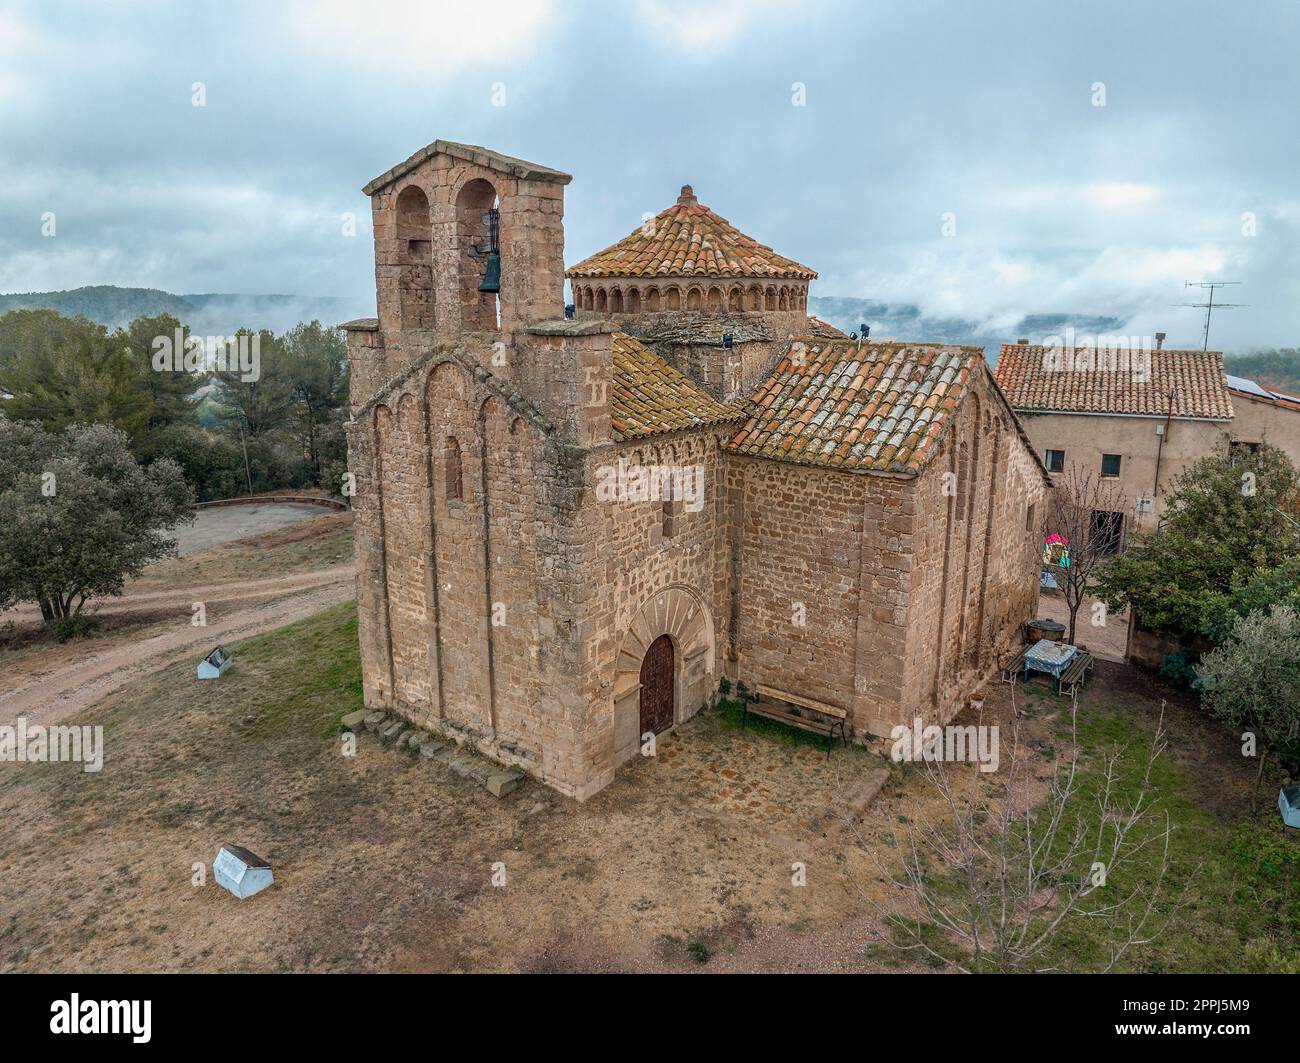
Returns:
point(1076, 672)
point(791, 718)
point(1015, 668)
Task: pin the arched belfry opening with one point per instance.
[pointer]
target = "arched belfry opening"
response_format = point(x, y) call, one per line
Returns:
point(414, 233)
point(478, 237)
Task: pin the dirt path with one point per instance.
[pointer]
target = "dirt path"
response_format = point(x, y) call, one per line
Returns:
point(64, 690)
point(207, 594)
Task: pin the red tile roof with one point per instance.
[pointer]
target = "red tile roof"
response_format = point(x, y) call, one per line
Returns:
point(650, 396)
point(876, 407)
point(1086, 380)
point(824, 330)
point(689, 240)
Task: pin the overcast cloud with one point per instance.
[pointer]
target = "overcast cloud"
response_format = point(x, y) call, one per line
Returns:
point(912, 110)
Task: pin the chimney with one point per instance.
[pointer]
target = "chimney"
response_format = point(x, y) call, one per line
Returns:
point(1023, 340)
point(1160, 341)
point(687, 198)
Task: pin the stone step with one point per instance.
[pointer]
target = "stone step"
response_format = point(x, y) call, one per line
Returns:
point(507, 780)
point(497, 779)
point(353, 720)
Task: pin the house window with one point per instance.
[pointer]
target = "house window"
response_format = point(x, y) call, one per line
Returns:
point(454, 491)
point(1030, 513)
point(1110, 465)
point(1055, 461)
point(1238, 448)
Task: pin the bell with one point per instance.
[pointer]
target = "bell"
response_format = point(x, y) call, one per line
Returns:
point(492, 278)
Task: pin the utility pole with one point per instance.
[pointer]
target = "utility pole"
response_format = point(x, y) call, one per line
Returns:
point(1209, 306)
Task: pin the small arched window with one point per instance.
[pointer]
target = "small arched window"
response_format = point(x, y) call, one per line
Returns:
point(454, 480)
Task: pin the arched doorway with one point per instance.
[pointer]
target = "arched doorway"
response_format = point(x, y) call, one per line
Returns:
point(657, 686)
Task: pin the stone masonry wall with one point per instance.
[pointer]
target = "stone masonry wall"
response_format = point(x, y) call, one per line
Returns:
point(455, 195)
point(657, 572)
point(796, 540)
point(975, 580)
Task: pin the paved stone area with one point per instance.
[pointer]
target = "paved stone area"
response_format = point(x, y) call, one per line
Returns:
point(754, 778)
point(225, 524)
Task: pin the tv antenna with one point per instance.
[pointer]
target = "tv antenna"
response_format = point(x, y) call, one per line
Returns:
point(1209, 306)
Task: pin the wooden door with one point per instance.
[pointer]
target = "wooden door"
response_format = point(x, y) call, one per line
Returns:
point(657, 686)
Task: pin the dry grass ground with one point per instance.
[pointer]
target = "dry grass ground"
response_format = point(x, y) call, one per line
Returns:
point(245, 586)
point(384, 861)
point(315, 543)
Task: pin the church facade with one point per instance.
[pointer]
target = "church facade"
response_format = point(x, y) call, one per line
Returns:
point(571, 527)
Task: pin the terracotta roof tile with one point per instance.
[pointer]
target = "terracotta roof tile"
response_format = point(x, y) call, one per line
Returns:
point(1087, 380)
point(824, 330)
point(862, 407)
point(689, 240)
point(650, 396)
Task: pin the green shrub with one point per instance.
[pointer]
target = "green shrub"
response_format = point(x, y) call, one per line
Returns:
point(1179, 668)
point(67, 628)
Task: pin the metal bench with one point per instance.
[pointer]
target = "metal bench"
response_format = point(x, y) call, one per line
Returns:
point(1076, 672)
point(791, 718)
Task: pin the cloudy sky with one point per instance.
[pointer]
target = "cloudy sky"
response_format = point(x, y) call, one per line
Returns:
point(982, 115)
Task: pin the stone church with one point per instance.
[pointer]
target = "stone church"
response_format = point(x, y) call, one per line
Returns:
point(573, 523)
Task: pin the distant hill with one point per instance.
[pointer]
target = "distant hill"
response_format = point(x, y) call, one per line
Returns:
point(102, 303)
point(209, 314)
point(1278, 368)
point(902, 321)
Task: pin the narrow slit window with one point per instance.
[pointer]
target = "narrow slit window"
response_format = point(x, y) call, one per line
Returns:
point(454, 479)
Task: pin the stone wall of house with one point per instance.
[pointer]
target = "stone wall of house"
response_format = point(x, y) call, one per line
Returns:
point(1137, 441)
point(1259, 421)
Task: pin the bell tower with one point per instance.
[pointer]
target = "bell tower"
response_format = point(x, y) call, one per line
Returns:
point(469, 247)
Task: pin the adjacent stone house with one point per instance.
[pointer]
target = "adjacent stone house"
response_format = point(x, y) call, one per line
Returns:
point(1139, 417)
point(569, 530)
point(1262, 415)
point(1136, 417)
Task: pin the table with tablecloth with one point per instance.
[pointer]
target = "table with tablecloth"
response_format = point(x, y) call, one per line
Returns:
point(1050, 657)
